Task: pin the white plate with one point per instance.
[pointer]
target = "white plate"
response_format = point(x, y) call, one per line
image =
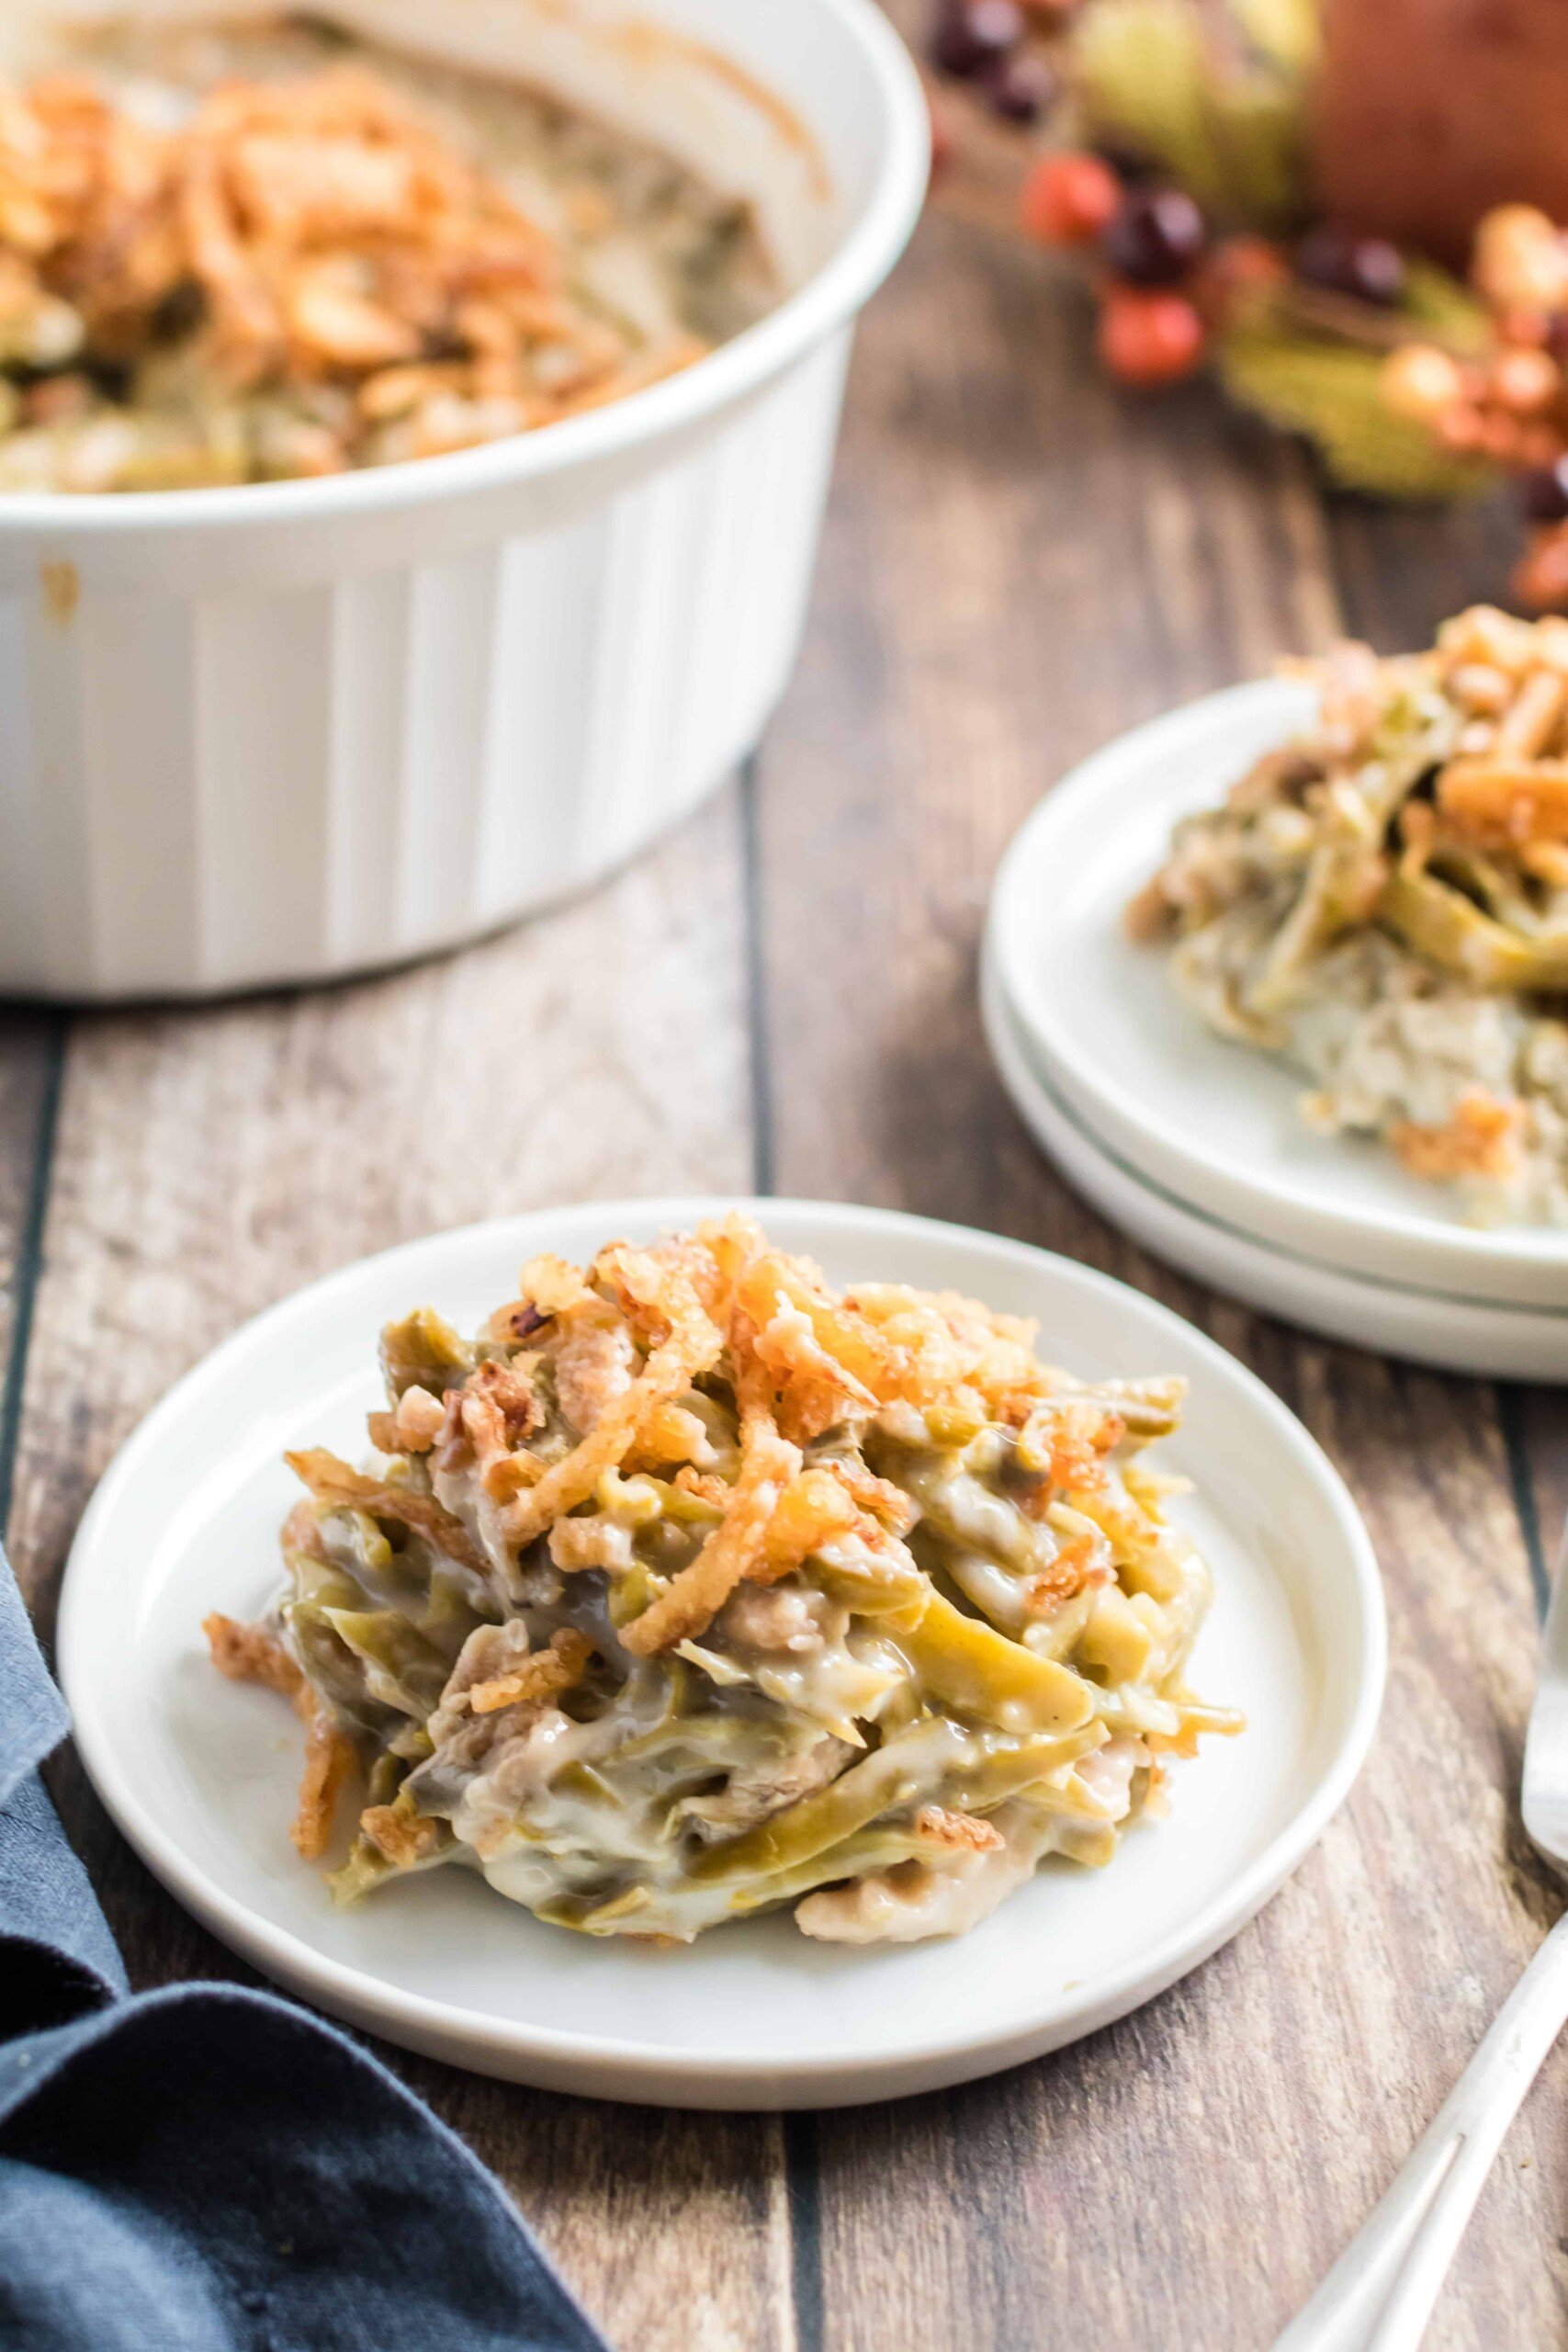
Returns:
point(1214, 1122)
point(1456, 1334)
point(200, 1774)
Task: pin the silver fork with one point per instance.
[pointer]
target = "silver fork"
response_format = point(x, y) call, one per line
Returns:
point(1379, 2295)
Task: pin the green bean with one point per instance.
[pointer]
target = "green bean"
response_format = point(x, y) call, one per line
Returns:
point(979, 1672)
point(421, 1351)
point(402, 1669)
point(1041, 1765)
point(1447, 928)
point(902, 1769)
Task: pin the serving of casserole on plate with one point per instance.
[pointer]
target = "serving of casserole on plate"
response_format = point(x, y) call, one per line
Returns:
point(1383, 900)
point(693, 1586)
point(675, 1711)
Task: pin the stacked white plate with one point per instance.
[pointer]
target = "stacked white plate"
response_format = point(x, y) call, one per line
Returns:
point(1197, 1146)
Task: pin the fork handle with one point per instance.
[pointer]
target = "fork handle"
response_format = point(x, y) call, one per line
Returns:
point(1379, 2295)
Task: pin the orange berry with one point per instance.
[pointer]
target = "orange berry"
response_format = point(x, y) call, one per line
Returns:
point(1068, 199)
point(1540, 580)
point(1422, 383)
point(1525, 381)
point(1540, 445)
point(1149, 338)
point(1461, 429)
point(1526, 328)
point(1499, 437)
point(1521, 261)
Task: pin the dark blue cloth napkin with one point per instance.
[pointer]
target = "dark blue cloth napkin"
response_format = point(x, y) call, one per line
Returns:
point(209, 2169)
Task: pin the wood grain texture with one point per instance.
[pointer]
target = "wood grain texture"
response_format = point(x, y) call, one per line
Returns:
point(30, 1051)
point(1052, 561)
point(206, 1163)
point(1020, 562)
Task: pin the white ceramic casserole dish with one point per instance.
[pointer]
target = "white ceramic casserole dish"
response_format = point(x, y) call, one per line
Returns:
point(285, 732)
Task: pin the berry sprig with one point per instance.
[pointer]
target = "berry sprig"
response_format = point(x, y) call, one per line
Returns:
point(995, 45)
point(1149, 243)
point(1165, 143)
point(1509, 402)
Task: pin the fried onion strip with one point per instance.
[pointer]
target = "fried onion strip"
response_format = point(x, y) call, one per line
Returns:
point(332, 1481)
point(813, 1509)
point(249, 1654)
point(692, 1346)
point(543, 1676)
point(768, 1462)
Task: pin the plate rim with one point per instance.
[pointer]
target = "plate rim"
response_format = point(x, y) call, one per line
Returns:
point(1474, 1254)
point(613, 2066)
point(1025, 1087)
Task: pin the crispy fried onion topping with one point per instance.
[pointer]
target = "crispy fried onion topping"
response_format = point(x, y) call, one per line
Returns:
point(544, 1676)
point(329, 231)
point(690, 1343)
point(768, 1463)
point(332, 1481)
point(251, 1654)
point(824, 1359)
point(405, 1838)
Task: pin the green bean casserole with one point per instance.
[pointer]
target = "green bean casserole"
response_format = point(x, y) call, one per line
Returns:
point(1384, 902)
point(258, 250)
point(692, 1586)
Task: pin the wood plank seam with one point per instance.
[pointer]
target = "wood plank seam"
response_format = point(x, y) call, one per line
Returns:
point(1510, 1422)
point(798, 2229)
point(29, 1261)
point(756, 986)
point(802, 2186)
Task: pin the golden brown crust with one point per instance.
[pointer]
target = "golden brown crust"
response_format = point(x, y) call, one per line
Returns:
point(333, 234)
point(1501, 801)
point(330, 1758)
point(897, 1510)
point(1073, 1567)
point(813, 1509)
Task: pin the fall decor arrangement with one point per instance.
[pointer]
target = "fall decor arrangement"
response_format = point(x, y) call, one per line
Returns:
point(1350, 215)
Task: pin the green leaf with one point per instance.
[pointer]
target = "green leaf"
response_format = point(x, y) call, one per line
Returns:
point(1445, 306)
point(1230, 130)
point(1331, 393)
point(1287, 31)
point(1142, 71)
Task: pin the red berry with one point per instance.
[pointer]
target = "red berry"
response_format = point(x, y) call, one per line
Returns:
point(972, 34)
point(1149, 338)
point(1067, 199)
point(1341, 263)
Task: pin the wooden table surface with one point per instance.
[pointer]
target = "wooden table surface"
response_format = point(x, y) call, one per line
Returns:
point(1020, 561)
